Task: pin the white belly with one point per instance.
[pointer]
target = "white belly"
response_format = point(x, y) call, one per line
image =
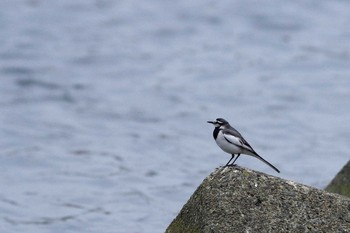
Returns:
point(226, 146)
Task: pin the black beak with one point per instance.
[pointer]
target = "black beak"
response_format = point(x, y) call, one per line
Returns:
point(211, 122)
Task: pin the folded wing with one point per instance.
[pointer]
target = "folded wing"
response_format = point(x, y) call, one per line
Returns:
point(240, 142)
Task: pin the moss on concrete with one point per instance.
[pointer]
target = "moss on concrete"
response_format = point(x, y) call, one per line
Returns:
point(341, 182)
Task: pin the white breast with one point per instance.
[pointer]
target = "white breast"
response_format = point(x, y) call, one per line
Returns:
point(226, 146)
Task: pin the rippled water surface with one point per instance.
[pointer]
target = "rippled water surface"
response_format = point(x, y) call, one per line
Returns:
point(103, 104)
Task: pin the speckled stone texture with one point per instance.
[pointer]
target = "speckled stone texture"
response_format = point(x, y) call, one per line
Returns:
point(341, 182)
point(236, 199)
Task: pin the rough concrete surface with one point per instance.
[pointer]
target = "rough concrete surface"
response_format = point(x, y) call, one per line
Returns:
point(341, 182)
point(236, 199)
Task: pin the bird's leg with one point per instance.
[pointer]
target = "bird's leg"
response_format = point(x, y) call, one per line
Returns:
point(230, 160)
point(233, 163)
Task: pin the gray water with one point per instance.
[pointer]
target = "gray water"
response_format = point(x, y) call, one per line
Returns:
point(103, 104)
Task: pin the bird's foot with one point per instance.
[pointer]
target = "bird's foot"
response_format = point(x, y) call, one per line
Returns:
point(230, 165)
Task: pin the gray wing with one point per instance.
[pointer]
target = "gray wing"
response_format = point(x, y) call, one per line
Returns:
point(234, 137)
point(244, 144)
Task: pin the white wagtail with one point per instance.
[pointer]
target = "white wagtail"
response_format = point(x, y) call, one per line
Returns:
point(232, 142)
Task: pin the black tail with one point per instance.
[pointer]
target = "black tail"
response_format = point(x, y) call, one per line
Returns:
point(261, 158)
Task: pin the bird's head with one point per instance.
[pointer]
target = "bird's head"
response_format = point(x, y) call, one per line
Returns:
point(218, 122)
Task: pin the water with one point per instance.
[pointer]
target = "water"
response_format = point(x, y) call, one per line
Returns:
point(104, 103)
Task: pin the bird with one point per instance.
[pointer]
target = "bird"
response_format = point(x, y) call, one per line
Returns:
point(232, 142)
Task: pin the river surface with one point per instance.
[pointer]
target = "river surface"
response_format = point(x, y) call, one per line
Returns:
point(103, 104)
